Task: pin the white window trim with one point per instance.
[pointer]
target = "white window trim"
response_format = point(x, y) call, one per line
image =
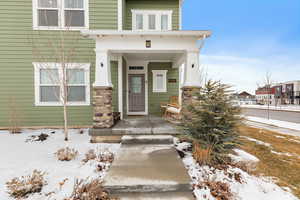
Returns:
point(146, 13)
point(154, 85)
point(40, 65)
point(61, 17)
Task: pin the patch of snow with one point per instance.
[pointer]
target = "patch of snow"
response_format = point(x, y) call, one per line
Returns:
point(282, 124)
point(243, 156)
point(19, 158)
point(278, 136)
point(280, 153)
point(257, 141)
point(251, 187)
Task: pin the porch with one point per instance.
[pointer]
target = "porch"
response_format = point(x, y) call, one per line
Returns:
point(148, 68)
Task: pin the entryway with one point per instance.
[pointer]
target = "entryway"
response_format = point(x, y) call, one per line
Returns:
point(136, 93)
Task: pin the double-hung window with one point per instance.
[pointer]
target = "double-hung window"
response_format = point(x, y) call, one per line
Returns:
point(152, 20)
point(159, 80)
point(49, 87)
point(60, 14)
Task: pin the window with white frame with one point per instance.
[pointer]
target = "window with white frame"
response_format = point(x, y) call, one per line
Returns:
point(152, 20)
point(159, 80)
point(60, 14)
point(49, 88)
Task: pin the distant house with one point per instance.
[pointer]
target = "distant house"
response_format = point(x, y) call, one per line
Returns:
point(244, 98)
point(265, 95)
point(139, 58)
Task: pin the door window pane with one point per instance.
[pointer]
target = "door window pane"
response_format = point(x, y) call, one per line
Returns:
point(76, 93)
point(47, 3)
point(139, 22)
point(49, 76)
point(74, 18)
point(151, 22)
point(75, 76)
point(49, 93)
point(164, 22)
point(73, 3)
point(48, 17)
point(136, 85)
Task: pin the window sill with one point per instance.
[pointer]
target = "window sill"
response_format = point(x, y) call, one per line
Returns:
point(60, 104)
point(54, 28)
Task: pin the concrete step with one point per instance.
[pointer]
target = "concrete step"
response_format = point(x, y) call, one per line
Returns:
point(156, 196)
point(147, 168)
point(147, 139)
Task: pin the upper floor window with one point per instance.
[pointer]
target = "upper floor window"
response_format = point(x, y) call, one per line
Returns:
point(152, 20)
point(60, 14)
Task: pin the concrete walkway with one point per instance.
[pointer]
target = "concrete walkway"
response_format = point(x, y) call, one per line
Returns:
point(148, 167)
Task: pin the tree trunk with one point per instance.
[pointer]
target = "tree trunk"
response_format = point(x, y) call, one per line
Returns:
point(65, 122)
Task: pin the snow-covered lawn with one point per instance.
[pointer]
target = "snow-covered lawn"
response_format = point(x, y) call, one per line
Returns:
point(282, 124)
point(19, 158)
point(281, 107)
point(249, 188)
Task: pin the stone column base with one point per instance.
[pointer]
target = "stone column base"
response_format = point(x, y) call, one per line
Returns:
point(103, 109)
point(188, 97)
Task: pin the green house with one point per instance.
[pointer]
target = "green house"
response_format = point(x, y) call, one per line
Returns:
point(130, 56)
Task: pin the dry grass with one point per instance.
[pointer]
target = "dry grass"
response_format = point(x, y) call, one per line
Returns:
point(202, 155)
point(285, 168)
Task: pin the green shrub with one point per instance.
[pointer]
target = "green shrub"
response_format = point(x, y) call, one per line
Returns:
point(212, 119)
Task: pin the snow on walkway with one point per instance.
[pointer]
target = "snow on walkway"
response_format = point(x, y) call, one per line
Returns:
point(19, 158)
point(251, 187)
point(283, 124)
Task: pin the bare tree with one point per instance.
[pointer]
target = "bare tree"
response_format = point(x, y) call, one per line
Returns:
point(14, 116)
point(268, 86)
point(59, 48)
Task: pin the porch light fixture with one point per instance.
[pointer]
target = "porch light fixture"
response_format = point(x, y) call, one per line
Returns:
point(193, 65)
point(148, 43)
point(101, 64)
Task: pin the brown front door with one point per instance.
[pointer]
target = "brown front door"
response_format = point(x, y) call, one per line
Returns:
point(136, 92)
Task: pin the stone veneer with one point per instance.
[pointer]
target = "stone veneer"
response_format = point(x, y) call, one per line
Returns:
point(103, 108)
point(188, 97)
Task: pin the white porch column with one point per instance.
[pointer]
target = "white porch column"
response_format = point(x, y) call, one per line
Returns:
point(120, 85)
point(103, 71)
point(192, 73)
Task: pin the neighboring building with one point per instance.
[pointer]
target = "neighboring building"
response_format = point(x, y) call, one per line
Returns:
point(133, 55)
point(265, 95)
point(244, 98)
point(287, 93)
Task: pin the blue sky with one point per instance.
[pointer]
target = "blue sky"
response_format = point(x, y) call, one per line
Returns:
point(250, 37)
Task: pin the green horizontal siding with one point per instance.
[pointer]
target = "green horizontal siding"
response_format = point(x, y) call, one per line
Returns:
point(152, 5)
point(17, 72)
point(155, 98)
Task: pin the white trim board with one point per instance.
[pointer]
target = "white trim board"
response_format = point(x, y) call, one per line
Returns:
point(145, 72)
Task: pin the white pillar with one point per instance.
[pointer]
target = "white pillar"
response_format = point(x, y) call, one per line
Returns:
point(120, 15)
point(120, 84)
point(103, 72)
point(192, 73)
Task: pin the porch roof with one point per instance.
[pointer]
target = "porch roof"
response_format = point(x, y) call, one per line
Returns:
point(200, 34)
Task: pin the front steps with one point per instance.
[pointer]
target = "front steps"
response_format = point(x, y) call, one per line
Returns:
point(148, 167)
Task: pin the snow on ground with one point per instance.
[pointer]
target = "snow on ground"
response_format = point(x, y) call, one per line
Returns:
point(19, 158)
point(257, 141)
point(251, 187)
point(281, 107)
point(283, 124)
point(243, 156)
